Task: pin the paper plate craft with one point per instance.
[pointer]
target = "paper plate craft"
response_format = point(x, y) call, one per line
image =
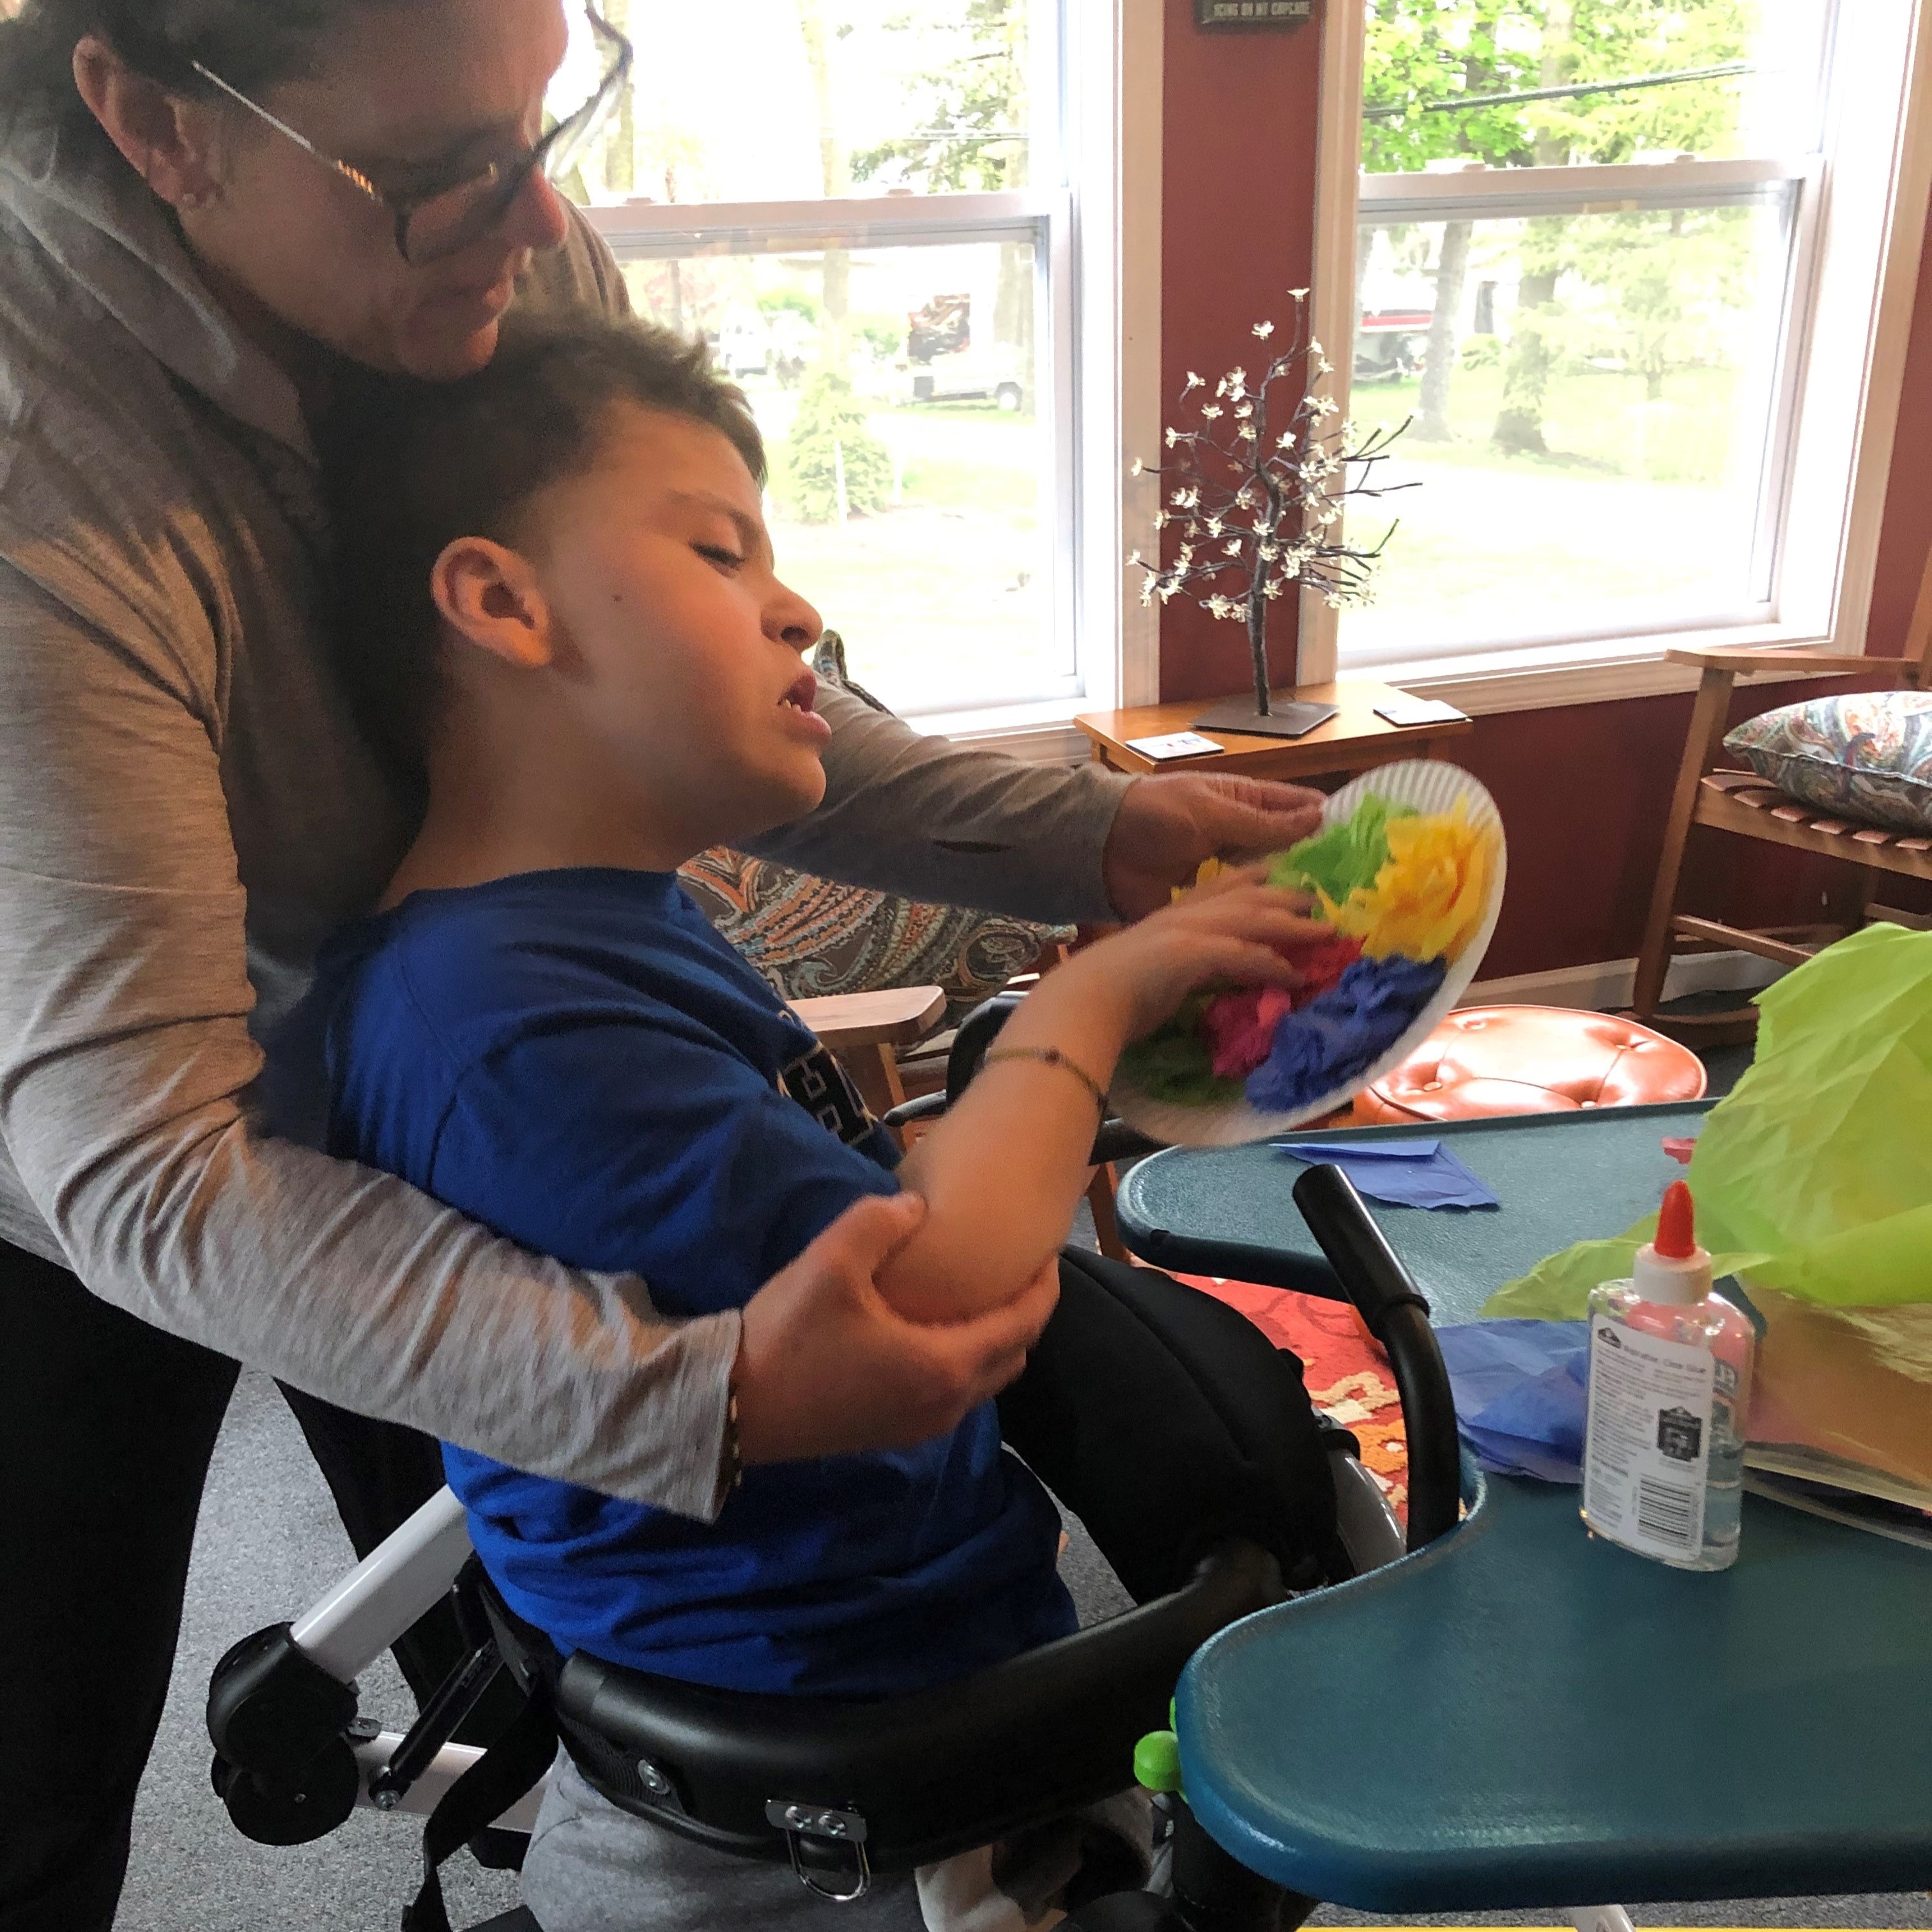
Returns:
point(1407, 872)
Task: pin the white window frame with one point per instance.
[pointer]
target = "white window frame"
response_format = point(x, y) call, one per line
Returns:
point(1860, 221)
point(1097, 245)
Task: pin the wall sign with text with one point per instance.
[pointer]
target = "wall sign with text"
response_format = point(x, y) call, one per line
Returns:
point(1253, 13)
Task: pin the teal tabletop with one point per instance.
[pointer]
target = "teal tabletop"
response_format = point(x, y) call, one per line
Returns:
point(1520, 1715)
point(1560, 1178)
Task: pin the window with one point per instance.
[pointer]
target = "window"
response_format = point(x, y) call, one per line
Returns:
point(1623, 266)
point(867, 209)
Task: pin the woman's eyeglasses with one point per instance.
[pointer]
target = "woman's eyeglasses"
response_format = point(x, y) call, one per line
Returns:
point(433, 222)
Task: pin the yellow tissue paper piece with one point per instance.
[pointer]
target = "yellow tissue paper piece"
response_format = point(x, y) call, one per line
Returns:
point(1208, 870)
point(1429, 901)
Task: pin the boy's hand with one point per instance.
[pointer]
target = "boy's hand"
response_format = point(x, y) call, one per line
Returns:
point(1238, 930)
point(1167, 823)
point(826, 1368)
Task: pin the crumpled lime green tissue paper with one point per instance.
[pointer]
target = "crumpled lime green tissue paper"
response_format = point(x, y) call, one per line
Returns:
point(1815, 1175)
point(1340, 857)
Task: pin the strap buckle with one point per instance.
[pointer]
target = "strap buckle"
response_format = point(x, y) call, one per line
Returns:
point(824, 1826)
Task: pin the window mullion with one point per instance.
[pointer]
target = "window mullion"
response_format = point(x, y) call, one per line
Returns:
point(757, 227)
point(1503, 194)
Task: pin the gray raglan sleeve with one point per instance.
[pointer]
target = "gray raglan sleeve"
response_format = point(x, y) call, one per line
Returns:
point(125, 1050)
point(912, 815)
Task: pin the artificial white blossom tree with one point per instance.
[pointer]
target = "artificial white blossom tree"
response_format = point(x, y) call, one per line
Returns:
point(1252, 493)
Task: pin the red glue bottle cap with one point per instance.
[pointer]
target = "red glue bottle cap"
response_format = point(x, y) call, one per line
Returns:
point(1673, 1268)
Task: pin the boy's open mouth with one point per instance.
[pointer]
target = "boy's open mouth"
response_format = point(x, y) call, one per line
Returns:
point(799, 700)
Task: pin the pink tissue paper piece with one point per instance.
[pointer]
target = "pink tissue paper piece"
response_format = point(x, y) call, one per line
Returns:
point(1320, 966)
point(1239, 1027)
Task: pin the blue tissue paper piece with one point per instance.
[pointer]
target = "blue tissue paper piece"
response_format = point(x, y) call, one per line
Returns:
point(1323, 1046)
point(1412, 1174)
point(1522, 1394)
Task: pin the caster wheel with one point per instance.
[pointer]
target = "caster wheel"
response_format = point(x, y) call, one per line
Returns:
point(296, 1812)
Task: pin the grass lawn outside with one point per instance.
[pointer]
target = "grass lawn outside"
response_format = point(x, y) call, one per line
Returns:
point(1637, 515)
point(944, 596)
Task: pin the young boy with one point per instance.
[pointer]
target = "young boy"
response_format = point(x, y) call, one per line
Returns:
point(561, 596)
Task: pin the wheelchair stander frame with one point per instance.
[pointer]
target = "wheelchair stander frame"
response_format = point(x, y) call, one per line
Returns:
point(295, 1758)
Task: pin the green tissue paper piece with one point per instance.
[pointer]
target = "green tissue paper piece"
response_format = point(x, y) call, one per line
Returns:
point(1815, 1175)
point(1342, 856)
point(1172, 1064)
point(1558, 1289)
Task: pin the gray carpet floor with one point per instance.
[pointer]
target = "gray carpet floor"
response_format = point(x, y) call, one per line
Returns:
point(269, 1544)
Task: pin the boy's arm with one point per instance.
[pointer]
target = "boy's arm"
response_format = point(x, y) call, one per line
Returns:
point(644, 1136)
point(1002, 1171)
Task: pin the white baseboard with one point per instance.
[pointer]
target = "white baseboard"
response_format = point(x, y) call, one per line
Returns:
point(1609, 982)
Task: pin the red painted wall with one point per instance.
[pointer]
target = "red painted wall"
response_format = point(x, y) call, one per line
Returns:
point(1238, 230)
point(1585, 789)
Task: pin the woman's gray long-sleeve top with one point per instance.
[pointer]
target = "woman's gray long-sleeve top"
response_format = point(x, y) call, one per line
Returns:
point(187, 810)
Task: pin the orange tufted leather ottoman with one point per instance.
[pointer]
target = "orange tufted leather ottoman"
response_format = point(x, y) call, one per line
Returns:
point(1531, 1059)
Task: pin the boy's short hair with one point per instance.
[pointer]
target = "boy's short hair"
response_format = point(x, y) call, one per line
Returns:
point(411, 466)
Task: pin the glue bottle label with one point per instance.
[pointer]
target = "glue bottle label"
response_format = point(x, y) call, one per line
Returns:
point(1648, 1441)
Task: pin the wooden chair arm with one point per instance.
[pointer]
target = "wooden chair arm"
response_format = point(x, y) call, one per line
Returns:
point(1801, 663)
point(897, 1016)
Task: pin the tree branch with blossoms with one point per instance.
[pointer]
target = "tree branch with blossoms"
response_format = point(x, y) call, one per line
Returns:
point(1254, 501)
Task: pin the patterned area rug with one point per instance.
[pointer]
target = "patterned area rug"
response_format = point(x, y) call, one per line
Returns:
point(1347, 1374)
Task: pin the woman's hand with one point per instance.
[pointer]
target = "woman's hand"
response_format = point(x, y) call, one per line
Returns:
point(1238, 930)
point(827, 1368)
point(1167, 823)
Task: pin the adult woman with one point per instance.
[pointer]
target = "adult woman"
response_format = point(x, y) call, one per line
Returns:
point(186, 807)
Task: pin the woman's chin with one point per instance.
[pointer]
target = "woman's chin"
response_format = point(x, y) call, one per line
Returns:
point(436, 352)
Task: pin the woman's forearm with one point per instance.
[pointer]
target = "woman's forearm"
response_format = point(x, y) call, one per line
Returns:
point(909, 813)
point(169, 1203)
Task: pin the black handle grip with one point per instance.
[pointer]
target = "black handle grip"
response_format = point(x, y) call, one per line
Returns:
point(976, 1033)
point(921, 1107)
point(1398, 1317)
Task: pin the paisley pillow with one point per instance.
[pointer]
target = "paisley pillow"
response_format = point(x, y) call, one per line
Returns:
point(1867, 756)
point(811, 936)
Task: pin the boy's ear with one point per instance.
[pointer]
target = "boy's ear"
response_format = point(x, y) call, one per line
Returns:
point(489, 594)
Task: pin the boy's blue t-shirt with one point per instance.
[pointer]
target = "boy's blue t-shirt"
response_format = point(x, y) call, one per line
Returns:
point(576, 1059)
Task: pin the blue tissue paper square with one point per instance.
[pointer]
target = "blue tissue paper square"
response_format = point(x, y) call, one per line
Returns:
point(1411, 1174)
point(1521, 1394)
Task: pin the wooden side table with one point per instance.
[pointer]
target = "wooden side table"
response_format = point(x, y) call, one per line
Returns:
point(1354, 740)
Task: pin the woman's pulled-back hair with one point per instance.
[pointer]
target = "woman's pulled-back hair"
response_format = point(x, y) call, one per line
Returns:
point(411, 467)
point(252, 44)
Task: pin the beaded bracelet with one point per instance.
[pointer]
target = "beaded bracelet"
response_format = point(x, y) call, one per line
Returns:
point(1051, 1056)
point(731, 1463)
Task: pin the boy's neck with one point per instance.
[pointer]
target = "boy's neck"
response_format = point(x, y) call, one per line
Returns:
point(481, 826)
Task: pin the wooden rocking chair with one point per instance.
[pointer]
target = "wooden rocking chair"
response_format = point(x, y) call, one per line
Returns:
point(1743, 803)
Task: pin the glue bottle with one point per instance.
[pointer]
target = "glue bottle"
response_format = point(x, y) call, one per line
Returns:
point(1670, 1367)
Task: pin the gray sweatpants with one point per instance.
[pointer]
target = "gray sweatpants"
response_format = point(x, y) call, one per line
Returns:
point(593, 1868)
